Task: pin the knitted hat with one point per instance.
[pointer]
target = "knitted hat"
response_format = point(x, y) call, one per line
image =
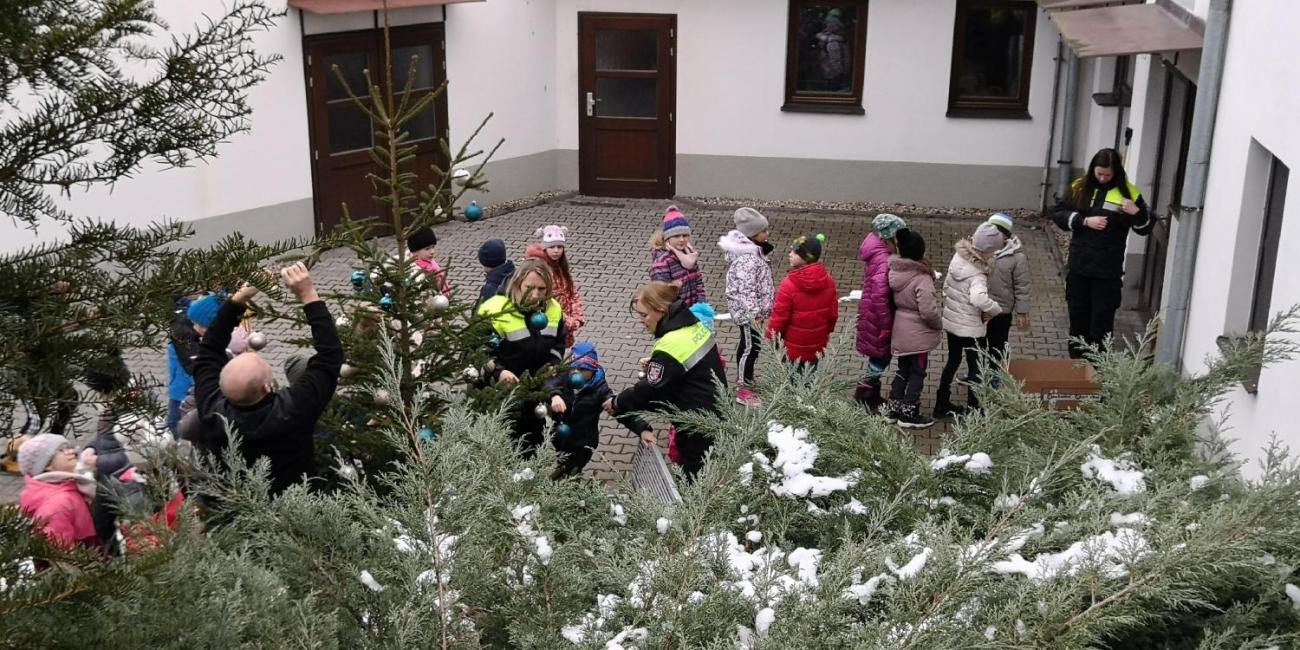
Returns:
point(1003, 220)
point(809, 247)
point(421, 239)
point(204, 310)
point(492, 253)
point(987, 239)
point(887, 225)
point(705, 313)
point(911, 245)
point(585, 356)
point(549, 236)
point(750, 222)
point(35, 454)
point(675, 223)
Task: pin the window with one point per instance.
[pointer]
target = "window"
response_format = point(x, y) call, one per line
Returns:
point(824, 56)
point(992, 56)
point(1270, 234)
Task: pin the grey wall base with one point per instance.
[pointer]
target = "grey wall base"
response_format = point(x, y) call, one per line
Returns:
point(265, 224)
point(525, 176)
point(927, 184)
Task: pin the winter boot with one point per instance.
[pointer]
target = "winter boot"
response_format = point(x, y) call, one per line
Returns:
point(745, 396)
point(868, 395)
point(909, 416)
point(944, 408)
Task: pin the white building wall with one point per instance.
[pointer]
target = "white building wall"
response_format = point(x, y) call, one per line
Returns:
point(731, 83)
point(1256, 116)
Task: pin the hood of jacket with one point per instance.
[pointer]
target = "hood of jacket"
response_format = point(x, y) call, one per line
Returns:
point(809, 278)
point(903, 270)
point(678, 316)
point(597, 380)
point(872, 246)
point(735, 244)
point(1012, 247)
point(500, 274)
point(966, 264)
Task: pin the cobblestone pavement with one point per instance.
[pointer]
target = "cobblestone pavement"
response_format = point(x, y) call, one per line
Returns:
point(609, 253)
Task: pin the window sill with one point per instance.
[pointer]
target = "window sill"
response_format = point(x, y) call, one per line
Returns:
point(990, 113)
point(835, 109)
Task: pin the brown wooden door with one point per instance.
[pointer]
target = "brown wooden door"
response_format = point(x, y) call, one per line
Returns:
point(341, 133)
point(627, 94)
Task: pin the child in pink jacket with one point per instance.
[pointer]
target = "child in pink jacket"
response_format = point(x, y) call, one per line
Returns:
point(56, 496)
point(875, 311)
point(423, 243)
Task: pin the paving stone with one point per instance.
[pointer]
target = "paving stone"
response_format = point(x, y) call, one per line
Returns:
point(610, 257)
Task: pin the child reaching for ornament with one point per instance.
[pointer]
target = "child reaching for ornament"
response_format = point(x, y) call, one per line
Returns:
point(575, 405)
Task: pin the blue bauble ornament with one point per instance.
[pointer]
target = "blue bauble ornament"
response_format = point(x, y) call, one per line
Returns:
point(494, 342)
point(537, 320)
point(426, 433)
point(563, 430)
point(576, 380)
point(473, 211)
point(386, 303)
point(358, 280)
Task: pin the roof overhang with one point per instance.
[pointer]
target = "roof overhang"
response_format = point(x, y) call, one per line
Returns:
point(1122, 29)
point(351, 6)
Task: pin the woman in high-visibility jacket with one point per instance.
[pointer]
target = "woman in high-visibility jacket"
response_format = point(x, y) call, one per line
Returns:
point(527, 336)
point(682, 370)
point(1100, 211)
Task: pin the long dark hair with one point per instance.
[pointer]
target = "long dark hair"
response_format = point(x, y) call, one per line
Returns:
point(1083, 189)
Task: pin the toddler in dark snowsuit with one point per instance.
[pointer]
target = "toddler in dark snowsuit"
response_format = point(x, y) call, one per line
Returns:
point(577, 428)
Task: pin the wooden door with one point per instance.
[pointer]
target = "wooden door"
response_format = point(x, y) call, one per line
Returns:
point(342, 134)
point(627, 87)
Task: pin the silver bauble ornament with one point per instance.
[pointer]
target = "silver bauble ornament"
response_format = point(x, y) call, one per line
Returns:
point(461, 176)
point(640, 374)
point(347, 371)
point(439, 304)
point(540, 410)
point(348, 472)
point(341, 322)
point(471, 373)
point(381, 397)
point(257, 341)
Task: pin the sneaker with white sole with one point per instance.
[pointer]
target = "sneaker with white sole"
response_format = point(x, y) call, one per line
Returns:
point(745, 396)
point(909, 416)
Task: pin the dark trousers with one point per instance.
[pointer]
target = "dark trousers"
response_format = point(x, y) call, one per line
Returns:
point(959, 347)
point(910, 378)
point(1092, 303)
point(528, 430)
point(692, 446)
point(998, 335)
point(747, 353)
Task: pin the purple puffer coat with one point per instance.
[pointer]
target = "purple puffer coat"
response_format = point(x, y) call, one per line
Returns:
point(875, 311)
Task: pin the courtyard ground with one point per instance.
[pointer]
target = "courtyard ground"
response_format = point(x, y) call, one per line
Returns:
point(609, 253)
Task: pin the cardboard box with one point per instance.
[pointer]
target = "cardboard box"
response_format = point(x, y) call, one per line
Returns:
point(1063, 384)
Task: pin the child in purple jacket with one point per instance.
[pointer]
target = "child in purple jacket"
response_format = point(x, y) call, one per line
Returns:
point(876, 310)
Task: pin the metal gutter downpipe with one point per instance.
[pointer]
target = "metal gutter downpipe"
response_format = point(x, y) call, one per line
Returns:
point(1191, 204)
point(1065, 165)
point(1051, 130)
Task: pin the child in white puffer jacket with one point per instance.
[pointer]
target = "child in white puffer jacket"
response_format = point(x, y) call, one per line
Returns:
point(967, 307)
point(750, 291)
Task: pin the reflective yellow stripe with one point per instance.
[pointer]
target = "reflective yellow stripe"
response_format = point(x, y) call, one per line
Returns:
point(688, 345)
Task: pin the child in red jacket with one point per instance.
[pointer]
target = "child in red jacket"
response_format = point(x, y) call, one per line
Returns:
point(807, 305)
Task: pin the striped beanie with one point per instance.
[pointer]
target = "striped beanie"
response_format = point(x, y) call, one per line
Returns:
point(1003, 221)
point(675, 223)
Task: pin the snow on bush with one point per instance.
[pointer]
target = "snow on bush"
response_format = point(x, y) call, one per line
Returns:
point(976, 463)
point(1122, 476)
point(795, 456)
point(1106, 552)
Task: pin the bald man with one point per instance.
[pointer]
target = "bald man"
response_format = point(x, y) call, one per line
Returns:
point(277, 425)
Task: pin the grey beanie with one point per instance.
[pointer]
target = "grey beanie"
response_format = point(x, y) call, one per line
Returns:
point(35, 454)
point(987, 238)
point(750, 222)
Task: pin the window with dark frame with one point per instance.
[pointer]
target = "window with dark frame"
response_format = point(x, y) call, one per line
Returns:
point(1269, 236)
point(825, 51)
point(992, 57)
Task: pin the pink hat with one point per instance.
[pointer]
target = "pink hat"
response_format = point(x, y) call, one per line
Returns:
point(675, 223)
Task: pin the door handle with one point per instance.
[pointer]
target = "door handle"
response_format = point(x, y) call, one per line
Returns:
point(591, 104)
